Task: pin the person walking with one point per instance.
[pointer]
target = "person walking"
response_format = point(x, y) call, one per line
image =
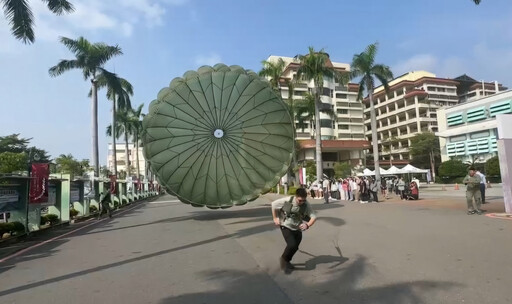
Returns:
point(373, 189)
point(483, 182)
point(472, 182)
point(292, 215)
point(353, 189)
point(401, 187)
point(326, 189)
point(105, 200)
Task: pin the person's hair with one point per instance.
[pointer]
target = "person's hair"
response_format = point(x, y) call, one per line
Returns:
point(301, 192)
point(472, 168)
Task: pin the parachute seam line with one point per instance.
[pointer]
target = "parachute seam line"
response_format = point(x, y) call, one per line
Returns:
point(212, 124)
point(223, 117)
point(261, 144)
point(190, 169)
point(228, 114)
point(233, 146)
point(249, 100)
point(228, 122)
point(240, 148)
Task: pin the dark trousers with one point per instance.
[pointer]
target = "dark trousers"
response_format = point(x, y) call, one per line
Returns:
point(482, 192)
point(374, 194)
point(326, 196)
point(293, 239)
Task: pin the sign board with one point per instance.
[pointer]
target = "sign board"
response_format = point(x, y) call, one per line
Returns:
point(74, 194)
point(8, 199)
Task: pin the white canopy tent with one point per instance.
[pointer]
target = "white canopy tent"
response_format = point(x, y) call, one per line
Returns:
point(394, 170)
point(411, 169)
point(367, 172)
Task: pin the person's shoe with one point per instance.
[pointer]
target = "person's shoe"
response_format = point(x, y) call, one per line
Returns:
point(470, 212)
point(480, 212)
point(282, 263)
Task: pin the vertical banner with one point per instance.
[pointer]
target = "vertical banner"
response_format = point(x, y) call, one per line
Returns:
point(113, 184)
point(304, 176)
point(38, 192)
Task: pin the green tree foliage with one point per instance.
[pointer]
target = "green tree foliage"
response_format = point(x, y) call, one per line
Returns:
point(422, 145)
point(492, 167)
point(342, 169)
point(19, 16)
point(67, 164)
point(15, 151)
point(452, 169)
point(11, 162)
point(310, 170)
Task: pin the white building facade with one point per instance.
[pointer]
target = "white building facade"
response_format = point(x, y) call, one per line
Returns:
point(121, 159)
point(468, 131)
point(343, 132)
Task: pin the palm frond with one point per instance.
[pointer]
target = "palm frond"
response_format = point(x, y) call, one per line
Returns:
point(102, 53)
point(63, 66)
point(59, 7)
point(20, 18)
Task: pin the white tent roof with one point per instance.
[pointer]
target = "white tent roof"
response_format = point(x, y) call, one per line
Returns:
point(411, 169)
point(394, 170)
point(367, 172)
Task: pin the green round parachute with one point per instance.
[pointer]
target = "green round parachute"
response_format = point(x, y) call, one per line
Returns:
point(218, 137)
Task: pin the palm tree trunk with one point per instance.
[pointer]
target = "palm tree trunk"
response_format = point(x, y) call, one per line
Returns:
point(127, 154)
point(319, 167)
point(114, 134)
point(374, 136)
point(95, 147)
point(137, 152)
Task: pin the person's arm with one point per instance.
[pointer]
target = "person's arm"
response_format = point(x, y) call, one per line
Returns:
point(312, 219)
point(276, 207)
point(466, 179)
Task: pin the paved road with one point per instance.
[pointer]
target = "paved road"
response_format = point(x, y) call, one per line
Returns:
point(167, 252)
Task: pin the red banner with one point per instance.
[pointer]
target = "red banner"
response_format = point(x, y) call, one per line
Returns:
point(113, 183)
point(38, 191)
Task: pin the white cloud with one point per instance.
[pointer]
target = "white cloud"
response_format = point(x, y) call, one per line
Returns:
point(427, 62)
point(210, 59)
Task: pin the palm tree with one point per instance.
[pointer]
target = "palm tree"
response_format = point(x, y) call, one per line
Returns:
point(313, 67)
point(476, 2)
point(19, 15)
point(136, 127)
point(123, 127)
point(274, 71)
point(119, 91)
point(90, 58)
point(364, 66)
point(305, 111)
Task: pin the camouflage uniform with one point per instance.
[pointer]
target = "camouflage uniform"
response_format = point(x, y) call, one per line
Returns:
point(473, 191)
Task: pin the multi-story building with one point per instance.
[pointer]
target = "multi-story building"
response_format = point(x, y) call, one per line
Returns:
point(121, 159)
point(342, 130)
point(468, 131)
point(409, 107)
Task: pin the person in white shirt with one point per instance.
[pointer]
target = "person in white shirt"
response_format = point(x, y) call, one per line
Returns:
point(483, 182)
point(326, 186)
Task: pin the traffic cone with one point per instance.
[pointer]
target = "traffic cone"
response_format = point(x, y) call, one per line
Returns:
point(456, 186)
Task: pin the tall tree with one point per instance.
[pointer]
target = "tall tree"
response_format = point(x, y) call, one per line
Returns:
point(19, 15)
point(123, 128)
point(90, 58)
point(313, 67)
point(69, 165)
point(477, 2)
point(425, 151)
point(273, 71)
point(119, 91)
point(364, 66)
point(136, 127)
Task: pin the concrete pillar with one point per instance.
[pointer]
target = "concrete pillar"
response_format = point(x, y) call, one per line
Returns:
point(504, 122)
point(417, 109)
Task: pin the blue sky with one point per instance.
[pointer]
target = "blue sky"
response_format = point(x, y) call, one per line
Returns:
point(162, 39)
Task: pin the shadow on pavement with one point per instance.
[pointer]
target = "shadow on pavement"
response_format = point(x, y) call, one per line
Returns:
point(241, 287)
point(258, 214)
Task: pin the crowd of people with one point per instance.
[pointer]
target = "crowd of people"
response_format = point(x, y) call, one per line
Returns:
point(363, 189)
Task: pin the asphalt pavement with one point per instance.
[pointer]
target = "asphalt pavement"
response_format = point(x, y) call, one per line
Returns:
point(168, 252)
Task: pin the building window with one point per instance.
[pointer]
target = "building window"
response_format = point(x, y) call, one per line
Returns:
point(343, 127)
point(327, 92)
point(342, 111)
point(479, 135)
point(458, 138)
point(325, 123)
point(341, 96)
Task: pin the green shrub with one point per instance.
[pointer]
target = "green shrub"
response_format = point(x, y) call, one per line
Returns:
point(453, 171)
point(50, 218)
point(291, 190)
point(73, 212)
point(11, 228)
point(93, 209)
